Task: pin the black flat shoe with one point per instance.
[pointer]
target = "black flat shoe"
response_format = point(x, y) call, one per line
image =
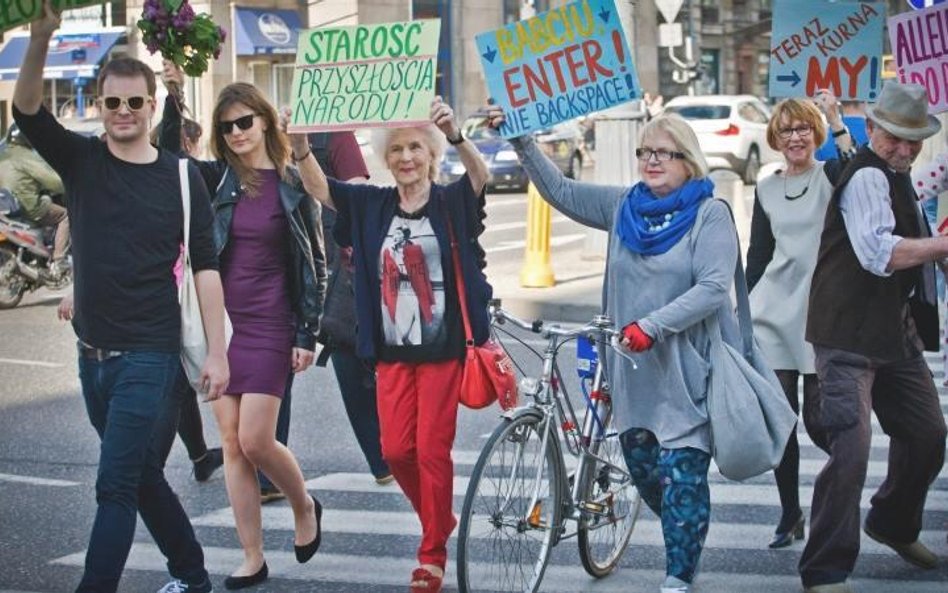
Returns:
point(782, 539)
point(305, 552)
point(231, 583)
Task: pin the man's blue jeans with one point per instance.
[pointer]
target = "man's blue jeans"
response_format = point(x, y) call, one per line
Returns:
point(128, 399)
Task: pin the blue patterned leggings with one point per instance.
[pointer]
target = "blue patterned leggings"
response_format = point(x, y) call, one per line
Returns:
point(674, 484)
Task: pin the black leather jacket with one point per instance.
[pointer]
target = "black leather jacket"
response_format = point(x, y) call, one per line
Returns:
point(307, 272)
point(308, 256)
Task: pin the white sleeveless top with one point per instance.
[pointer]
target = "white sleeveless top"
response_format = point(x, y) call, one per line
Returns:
point(780, 299)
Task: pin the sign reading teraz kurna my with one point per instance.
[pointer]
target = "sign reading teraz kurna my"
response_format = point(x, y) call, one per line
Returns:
point(15, 13)
point(364, 76)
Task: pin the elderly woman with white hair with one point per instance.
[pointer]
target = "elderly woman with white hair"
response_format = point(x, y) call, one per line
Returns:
point(670, 265)
point(408, 308)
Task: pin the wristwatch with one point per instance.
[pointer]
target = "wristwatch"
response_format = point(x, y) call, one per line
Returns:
point(456, 141)
point(839, 133)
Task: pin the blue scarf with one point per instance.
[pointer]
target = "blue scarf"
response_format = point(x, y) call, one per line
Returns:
point(650, 225)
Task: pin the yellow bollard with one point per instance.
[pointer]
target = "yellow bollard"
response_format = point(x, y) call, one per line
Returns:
point(537, 271)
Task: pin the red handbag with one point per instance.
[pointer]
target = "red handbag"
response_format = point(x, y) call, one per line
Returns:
point(488, 374)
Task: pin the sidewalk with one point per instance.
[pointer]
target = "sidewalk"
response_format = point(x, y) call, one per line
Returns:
point(576, 296)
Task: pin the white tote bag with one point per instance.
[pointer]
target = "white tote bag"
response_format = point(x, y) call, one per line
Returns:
point(193, 338)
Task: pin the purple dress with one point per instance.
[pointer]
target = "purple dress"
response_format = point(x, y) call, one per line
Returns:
point(256, 292)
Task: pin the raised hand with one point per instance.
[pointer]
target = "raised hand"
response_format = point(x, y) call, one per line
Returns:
point(46, 25)
point(299, 143)
point(827, 102)
point(443, 116)
point(495, 116)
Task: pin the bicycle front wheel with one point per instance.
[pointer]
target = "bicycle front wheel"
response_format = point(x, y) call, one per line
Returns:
point(511, 510)
point(609, 508)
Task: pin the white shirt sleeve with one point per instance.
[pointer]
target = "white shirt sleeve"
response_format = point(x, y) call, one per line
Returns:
point(867, 213)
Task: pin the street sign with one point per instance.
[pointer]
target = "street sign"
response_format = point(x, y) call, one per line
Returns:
point(669, 9)
point(670, 35)
point(923, 4)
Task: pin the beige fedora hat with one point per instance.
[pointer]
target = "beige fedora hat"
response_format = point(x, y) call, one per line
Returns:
point(902, 110)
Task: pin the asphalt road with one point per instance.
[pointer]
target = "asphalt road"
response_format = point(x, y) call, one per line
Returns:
point(48, 455)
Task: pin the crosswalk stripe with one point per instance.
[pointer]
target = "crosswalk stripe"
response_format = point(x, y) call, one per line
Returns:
point(648, 530)
point(554, 242)
point(395, 571)
point(808, 467)
point(508, 226)
point(730, 493)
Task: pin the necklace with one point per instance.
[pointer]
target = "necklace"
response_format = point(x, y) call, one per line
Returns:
point(809, 179)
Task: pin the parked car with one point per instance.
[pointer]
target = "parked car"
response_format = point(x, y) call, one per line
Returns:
point(563, 143)
point(732, 131)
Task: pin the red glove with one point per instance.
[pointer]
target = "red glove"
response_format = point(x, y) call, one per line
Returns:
point(639, 341)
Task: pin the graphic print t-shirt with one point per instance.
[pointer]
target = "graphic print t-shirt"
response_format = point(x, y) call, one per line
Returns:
point(417, 324)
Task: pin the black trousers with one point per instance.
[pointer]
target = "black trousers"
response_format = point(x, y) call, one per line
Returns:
point(904, 398)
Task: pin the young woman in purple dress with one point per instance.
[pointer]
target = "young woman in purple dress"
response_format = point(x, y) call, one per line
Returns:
point(269, 237)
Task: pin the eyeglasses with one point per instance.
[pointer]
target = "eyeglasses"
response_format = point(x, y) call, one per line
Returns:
point(133, 103)
point(244, 123)
point(802, 132)
point(661, 155)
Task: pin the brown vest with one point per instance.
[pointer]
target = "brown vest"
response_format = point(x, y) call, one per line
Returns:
point(853, 309)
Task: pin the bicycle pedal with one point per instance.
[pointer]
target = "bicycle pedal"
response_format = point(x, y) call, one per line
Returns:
point(594, 507)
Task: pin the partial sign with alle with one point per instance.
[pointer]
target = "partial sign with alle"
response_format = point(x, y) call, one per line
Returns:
point(920, 44)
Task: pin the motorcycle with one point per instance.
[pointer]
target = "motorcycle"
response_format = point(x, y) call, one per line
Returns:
point(25, 255)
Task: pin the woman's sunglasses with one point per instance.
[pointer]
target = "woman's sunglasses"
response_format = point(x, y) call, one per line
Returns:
point(244, 123)
point(133, 103)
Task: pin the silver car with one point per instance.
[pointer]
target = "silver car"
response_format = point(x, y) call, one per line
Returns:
point(732, 131)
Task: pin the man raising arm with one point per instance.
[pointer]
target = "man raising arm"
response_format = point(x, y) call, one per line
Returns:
point(127, 228)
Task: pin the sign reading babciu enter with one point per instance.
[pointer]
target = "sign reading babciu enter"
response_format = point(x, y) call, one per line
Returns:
point(365, 76)
point(558, 65)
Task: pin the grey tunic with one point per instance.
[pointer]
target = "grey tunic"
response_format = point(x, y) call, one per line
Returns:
point(670, 295)
point(780, 299)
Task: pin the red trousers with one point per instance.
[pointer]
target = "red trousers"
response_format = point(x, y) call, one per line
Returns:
point(418, 409)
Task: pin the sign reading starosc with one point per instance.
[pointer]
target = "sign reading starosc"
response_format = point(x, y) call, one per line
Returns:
point(365, 76)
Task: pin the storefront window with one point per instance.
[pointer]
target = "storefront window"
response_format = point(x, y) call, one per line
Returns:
point(275, 80)
point(709, 82)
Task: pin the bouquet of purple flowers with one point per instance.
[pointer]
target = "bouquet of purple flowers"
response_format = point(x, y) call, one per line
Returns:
point(187, 39)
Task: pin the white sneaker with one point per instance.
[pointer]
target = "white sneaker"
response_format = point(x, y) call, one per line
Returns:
point(179, 586)
point(674, 585)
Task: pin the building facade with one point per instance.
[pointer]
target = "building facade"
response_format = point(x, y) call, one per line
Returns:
point(730, 45)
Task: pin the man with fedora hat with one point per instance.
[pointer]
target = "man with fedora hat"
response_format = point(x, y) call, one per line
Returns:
point(872, 314)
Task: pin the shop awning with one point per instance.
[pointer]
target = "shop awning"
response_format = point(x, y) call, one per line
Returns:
point(71, 55)
point(261, 32)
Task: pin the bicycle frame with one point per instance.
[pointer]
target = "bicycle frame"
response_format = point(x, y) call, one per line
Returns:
point(551, 403)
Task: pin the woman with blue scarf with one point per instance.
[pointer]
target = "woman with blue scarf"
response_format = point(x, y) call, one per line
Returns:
point(670, 266)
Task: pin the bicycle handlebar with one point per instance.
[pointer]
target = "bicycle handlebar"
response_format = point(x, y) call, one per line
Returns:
point(599, 324)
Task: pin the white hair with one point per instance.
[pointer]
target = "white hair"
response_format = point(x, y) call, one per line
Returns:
point(434, 139)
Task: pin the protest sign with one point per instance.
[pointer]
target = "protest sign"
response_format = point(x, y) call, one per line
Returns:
point(15, 13)
point(558, 65)
point(833, 45)
point(365, 76)
point(920, 44)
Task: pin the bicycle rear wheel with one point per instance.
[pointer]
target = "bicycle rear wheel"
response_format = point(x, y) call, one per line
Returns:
point(505, 539)
point(609, 510)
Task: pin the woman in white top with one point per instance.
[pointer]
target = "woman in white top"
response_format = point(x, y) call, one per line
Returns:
point(789, 209)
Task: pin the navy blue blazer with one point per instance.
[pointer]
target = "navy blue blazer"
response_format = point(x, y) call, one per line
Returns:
point(364, 215)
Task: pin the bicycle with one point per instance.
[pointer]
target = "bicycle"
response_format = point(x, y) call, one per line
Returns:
point(521, 495)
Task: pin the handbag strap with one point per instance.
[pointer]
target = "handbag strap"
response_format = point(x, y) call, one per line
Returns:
point(743, 300)
point(459, 282)
point(186, 207)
